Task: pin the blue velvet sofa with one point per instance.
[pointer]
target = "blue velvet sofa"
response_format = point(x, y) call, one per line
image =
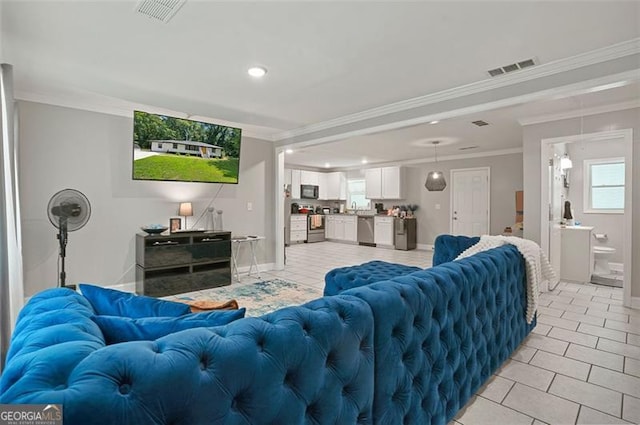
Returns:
point(409, 350)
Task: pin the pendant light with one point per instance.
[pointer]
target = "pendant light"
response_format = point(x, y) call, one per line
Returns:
point(435, 179)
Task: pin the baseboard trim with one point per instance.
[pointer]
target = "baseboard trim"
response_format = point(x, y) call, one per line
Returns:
point(424, 247)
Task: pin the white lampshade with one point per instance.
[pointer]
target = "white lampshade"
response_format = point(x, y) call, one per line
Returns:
point(185, 209)
point(565, 162)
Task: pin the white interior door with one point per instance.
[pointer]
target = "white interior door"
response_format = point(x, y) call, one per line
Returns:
point(470, 202)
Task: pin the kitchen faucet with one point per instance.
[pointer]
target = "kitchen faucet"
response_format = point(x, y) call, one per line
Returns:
point(354, 205)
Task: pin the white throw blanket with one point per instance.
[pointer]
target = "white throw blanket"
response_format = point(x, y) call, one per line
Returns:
point(538, 269)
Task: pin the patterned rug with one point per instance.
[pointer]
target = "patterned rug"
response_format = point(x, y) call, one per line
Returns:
point(261, 297)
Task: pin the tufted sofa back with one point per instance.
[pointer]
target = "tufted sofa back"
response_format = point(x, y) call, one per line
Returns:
point(311, 364)
point(440, 333)
point(447, 247)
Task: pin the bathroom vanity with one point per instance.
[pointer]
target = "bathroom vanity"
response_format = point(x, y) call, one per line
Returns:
point(576, 258)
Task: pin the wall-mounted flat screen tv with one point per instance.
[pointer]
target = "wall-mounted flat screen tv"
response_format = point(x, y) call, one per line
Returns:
point(177, 149)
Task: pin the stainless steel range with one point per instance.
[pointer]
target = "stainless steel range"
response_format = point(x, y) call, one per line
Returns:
point(315, 228)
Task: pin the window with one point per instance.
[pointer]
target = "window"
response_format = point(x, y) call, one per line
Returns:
point(604, 186)
point(355, 193)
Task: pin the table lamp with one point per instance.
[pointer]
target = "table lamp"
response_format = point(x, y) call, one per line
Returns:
point(185, 210)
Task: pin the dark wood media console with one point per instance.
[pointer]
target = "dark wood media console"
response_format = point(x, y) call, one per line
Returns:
point(177, 263)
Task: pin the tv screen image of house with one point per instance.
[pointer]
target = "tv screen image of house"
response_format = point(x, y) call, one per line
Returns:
point(177, 149)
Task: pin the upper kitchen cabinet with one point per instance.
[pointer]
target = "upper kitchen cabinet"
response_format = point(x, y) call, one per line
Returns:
point(373, 183)
point(287, 176)
point(392, 179)
point(295, 184)
point(333, 186)
point(310, 177)
point(384, 183)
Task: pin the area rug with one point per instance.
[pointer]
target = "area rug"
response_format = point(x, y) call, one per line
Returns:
point(261, 297)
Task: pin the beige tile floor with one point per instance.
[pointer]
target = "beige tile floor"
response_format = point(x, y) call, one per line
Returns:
point(581, 364)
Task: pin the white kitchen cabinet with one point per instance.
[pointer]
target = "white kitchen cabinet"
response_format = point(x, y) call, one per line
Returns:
point(323, 188)
point(287, 176)
point(350, 228)
point(392, 182)
point(333, 186)
point(384, 183)
point(373, 183)
point(295, 184)
point(330, 227)
point(298, 226)
point(309, 177)
point(383, 230)
point(342, 227)
point(339, 229)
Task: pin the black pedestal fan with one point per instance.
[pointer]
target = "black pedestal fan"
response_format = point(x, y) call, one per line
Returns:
point(68, 210)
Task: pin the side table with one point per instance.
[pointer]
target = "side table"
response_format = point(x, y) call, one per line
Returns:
point(238, 241)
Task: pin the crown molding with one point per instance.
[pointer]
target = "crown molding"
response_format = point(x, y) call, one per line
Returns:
point(604, 54)
point(417, 161)
point(632, 104)
point(125, 109)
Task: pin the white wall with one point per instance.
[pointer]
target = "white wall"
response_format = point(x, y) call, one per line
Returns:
point(91, 152)
point(611, 224)
point(506, 179)
point(533, 134)
point(1, 34)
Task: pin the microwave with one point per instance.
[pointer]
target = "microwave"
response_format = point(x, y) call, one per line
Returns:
point(308, 191)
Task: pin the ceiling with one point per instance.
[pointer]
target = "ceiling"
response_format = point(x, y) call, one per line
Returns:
point(325, 60)
point(414, 144)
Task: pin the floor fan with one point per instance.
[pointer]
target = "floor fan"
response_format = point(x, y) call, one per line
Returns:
point(68, 210)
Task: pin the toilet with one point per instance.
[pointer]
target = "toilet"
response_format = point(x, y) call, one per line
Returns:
point(601, 256)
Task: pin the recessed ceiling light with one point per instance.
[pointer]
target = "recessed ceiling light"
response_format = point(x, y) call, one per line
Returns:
point(257, 71)
point(327, 165)
point(289, 150)
point(434, 122)
point(364, 161)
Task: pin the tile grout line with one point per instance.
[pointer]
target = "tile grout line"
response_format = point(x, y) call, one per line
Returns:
point(551, 383)
point(566, 399)
point(506, 407)
point(622, 407)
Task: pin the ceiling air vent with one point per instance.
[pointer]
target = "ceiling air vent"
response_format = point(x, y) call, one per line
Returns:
point(466, 148)
point(512, 67)
point(162, 10)
point(480, 123)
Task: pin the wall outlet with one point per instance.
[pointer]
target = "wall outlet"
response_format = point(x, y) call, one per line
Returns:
point(437, 206)
point(249, 206)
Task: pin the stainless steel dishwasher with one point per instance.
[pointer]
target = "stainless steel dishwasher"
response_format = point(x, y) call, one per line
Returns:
point(365, 231)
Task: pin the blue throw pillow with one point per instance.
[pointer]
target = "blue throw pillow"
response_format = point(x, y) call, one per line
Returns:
point(109, 302)
point(122, 329)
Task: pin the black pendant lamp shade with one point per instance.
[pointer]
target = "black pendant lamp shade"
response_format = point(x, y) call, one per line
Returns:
point(435, 179)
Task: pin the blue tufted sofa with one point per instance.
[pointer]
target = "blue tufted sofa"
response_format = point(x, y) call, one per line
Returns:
point(306, 364)
point(409, 350)
point(446, 248)
point(343, 278)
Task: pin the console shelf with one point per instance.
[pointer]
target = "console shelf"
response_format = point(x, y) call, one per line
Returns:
point(178, 263)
